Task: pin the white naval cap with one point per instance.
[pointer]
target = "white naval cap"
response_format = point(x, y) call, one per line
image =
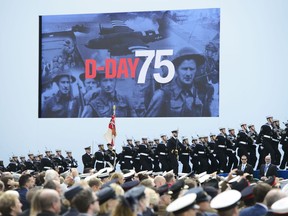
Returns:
point(183, 204)
point(129, 174)
point(204, 178)
point(226, 200)
point(280, 206)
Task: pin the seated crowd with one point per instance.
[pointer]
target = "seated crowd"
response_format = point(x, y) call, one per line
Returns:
point(126, 193)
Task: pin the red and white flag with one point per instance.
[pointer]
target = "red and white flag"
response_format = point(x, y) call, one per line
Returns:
point(111, 132)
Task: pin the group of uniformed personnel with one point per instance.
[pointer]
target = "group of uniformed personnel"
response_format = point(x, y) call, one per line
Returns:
point(38, 162)
point(213, 153)
point(219, 154)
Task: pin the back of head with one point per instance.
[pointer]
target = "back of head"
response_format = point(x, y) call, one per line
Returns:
point(159, 180)
point(24, 179)
point(260, 191)
point(94, 182)
point(2, 186)
point(50, 185)
point(35, 203)
point(273, 196)
point(169, 177)
point(51, 175)
point(125, 207)
point(7, 201)
point(83, 200)
point(47, 199)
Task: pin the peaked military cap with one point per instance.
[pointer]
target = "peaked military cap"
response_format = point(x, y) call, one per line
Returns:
point(71, 192)
point(163, 189)
point(105, 194)
point(136, 192)
point(226, 200)
point(182, 204)
point(280, 206)
point(202, 195)
point(129, 185)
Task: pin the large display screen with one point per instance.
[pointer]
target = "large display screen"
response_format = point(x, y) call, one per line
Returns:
point(147, 64)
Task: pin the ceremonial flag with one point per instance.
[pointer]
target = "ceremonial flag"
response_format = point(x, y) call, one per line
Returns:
point(111, 132)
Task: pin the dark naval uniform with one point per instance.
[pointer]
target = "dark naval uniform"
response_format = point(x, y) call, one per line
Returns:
point(136, 158)
point(162, 151)
point(220, 151)
point(13, 166)
point(174, 146)
point(110, 156)
point(127, 157)
point(155, 156)
point(184, 158)
point(231, 152)
point(87, 160)
point(71, 162)
point(194, 156)
point(275, 143)
point(30, 164)
point(203, 164)
point(265, 136)
point(60, 162)
point(242, 143)
point(47, 163)
point(252, 148)
point(99, 160)
point(145, 157)
point(284, 142)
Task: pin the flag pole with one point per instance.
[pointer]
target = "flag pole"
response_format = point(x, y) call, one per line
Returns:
point(114, 137)
point(114, 109)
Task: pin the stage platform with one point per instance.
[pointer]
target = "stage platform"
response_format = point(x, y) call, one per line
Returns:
point(281, 174)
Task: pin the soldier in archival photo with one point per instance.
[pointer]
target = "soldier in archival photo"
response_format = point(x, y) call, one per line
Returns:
point(180, 97)
point(88, 92)
point(102, 105)
point(209, 75)
point(63, 104)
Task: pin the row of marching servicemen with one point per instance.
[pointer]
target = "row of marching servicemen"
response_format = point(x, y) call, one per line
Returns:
point(219, 153)
point(38, 162)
